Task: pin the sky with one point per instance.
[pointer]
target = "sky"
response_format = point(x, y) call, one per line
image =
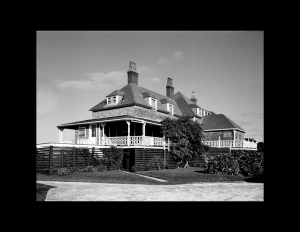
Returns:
point(77, 69)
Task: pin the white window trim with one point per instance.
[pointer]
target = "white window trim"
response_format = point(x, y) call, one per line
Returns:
point(168, 108)
point(111, 97)
point(82, 127)
point(150, 102)
point(199, 112)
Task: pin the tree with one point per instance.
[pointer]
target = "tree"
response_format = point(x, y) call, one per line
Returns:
point(185, 137)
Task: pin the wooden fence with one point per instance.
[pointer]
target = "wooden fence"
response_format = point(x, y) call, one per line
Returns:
point(50, 159)
point(153, 159)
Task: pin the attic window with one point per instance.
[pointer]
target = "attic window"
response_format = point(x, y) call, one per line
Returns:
point(199, 111)
point(170, 108)
point(113, 100)
point(153, 103)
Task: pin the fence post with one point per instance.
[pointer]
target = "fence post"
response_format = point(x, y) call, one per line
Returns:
point(61, 158)
point(74, 154)
point(50, 159)
point(86, 156)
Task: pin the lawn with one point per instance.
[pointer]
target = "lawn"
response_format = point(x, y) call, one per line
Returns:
point(173, 176)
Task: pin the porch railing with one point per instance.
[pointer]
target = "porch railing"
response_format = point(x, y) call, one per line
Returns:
point(231, 143)
point(84, 141)
point(67, 141)
point(123, 141)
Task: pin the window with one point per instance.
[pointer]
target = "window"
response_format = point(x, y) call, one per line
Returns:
point(112, 100)
point(227, 134)
point(81, 132)
point(199, 111)
point(170, 108)
point(153, 103)
point(93, 130)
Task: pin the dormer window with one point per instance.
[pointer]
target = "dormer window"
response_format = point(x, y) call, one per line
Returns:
point(113, 99)
point(170, 108)
point(153, 103)
point(199, 112)
point(150, 98)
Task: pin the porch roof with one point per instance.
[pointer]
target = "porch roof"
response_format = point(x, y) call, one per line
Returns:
point(73, 125)
point(219, 122)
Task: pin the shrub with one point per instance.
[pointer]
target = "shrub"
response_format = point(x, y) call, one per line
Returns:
point(248, 163)
point(113, 158)
point(100, 168)
point(132, 168)
point(63, 171)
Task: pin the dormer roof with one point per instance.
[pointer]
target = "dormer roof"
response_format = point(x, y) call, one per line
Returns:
point(116, 92)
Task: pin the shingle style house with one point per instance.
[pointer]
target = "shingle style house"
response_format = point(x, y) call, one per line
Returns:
point(130, 117)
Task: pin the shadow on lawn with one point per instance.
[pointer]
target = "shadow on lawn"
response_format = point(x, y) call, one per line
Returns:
point(256, 179)
point(41, 191)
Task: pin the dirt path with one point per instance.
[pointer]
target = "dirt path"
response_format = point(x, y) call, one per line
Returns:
point(78, 191)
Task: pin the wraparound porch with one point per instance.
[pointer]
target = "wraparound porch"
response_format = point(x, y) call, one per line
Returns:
point(121, 131)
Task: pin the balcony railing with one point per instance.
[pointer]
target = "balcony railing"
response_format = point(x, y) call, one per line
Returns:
point(232, 144)
point(123, 141)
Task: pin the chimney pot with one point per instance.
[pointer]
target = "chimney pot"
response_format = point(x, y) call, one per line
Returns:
point(132, 74)
point(170, 88)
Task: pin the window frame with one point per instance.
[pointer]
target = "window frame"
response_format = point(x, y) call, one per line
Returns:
point(112, 100)
point(172, 108)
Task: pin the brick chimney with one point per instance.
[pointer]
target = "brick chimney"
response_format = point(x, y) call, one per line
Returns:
point(170, 88)
point(132, 74)
point(193, 98)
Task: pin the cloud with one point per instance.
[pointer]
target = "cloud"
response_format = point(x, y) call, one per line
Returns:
point(155, 80)
point(176, 56)
point(46, 100)
point(163, 60)
point(143, 69)
point(95, 82)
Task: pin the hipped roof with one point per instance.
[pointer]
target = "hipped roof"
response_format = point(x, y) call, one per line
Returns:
point(133, 95)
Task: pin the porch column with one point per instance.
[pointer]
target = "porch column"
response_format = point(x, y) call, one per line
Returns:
point(60, 138)
point(234, 134)
point(144, 132)
point(103, 134)
point(128, 135)
point(219, 142)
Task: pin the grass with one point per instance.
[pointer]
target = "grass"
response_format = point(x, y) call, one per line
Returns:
point(190, 175)
point(173, 176)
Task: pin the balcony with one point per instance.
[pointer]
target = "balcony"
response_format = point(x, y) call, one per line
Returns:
point(235, 144)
